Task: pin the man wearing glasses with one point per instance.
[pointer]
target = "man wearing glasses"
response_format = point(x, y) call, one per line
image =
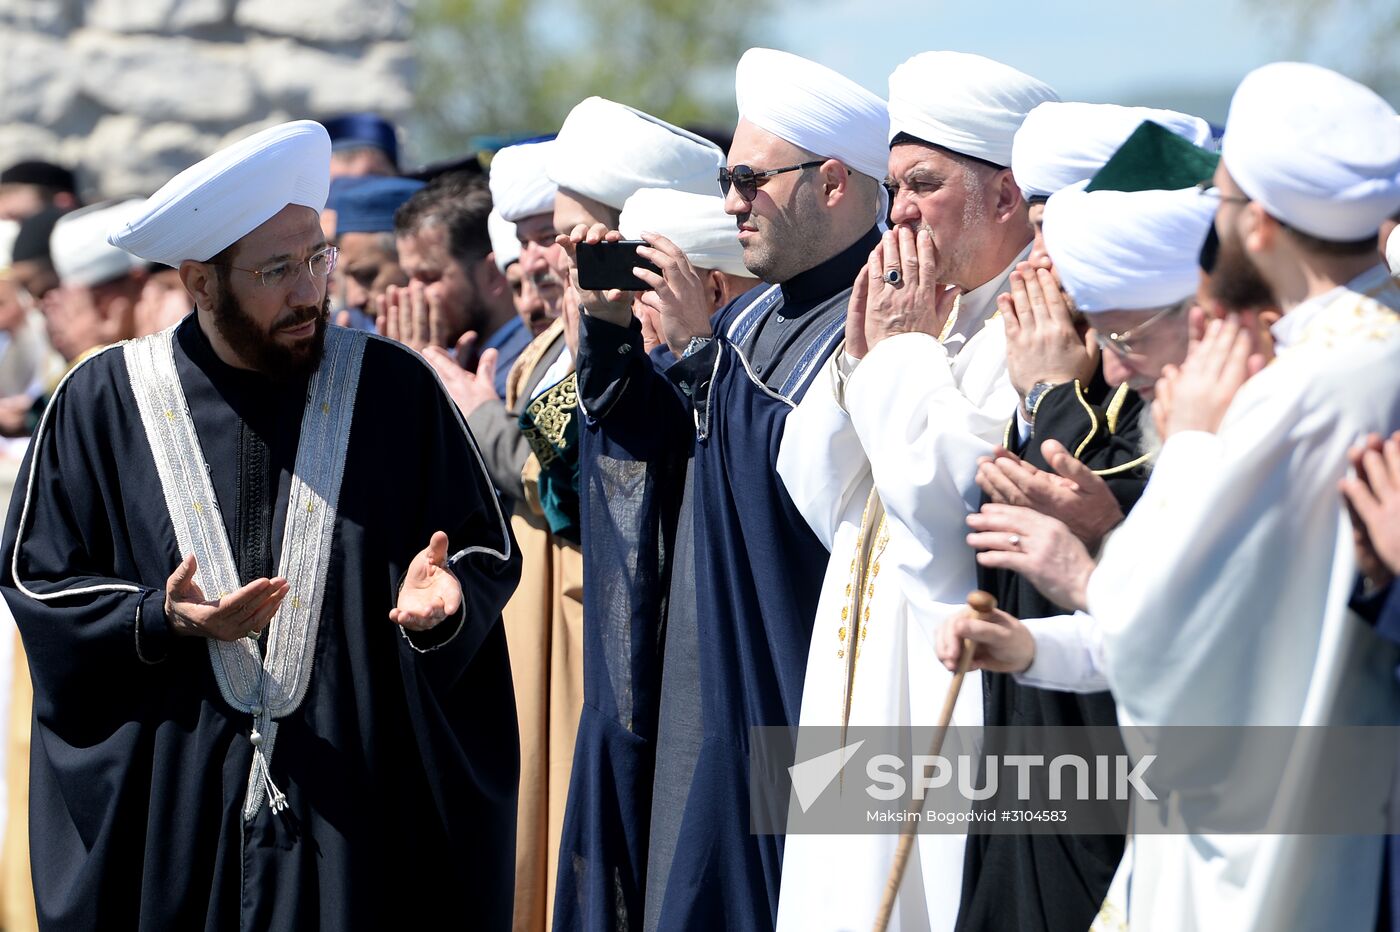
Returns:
point(259, 678)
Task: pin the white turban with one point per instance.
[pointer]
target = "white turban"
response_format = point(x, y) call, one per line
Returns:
point(505, 245)
point(696, 223)
point(1316, 150)
point(962, 102)
point(1062, 143)
point(1127, 251)
point(1392, 252)
point(214, 203)
point(814, 108)
point(79, 249)
point(609, 152)
point(520, 185)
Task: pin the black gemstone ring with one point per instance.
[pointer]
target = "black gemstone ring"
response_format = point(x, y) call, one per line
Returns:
point(892, 276)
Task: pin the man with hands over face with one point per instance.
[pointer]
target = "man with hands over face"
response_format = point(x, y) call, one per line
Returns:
point(881, 454)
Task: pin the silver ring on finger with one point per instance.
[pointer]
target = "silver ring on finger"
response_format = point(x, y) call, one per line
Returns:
point(893, 276)
point(1015, 541)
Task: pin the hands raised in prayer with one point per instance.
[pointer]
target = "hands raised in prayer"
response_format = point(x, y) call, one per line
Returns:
point(430, 592)
point(1001, 644)
point(412, 315)
point(470, 390)
point(241, 613)
point(1197, 395)
point(1072, 493)
point(680, 295)
point(1373, 501)
point(613, 305)
point(1040, 548)
point(916, 303)
point(1043, 341)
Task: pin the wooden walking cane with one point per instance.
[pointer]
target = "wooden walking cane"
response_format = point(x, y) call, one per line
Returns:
point(982, 603)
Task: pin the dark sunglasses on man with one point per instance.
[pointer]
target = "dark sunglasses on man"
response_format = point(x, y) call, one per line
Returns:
point(747, 181)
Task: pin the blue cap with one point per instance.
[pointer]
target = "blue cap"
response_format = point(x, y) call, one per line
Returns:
point(354, 130)
point(369, 207)
point(342, 186)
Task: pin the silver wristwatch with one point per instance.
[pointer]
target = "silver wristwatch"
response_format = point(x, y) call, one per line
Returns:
point(695, 345)
point(1037, 393)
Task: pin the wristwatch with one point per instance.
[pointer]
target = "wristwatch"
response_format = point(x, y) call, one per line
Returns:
point(695, 345)
point(1037, 393)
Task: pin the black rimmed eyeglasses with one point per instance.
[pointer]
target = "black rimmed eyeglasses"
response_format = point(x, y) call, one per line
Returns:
point(747, 181)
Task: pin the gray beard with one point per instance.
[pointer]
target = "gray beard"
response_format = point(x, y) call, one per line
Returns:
point(1149, 441)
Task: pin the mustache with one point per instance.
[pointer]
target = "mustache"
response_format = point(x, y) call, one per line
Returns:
point(298, 317)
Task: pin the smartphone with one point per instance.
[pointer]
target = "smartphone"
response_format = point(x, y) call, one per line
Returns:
point(602, 266)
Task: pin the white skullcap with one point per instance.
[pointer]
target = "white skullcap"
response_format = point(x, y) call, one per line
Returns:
point(520, 185)
point(9, 232)
point(79, 248)
point(962, 102)
point(696, 223)
point(1127, 251)
point(505, 246)
point(1316, 150)
point(214, 203)
point(1062, 143)
point(1392, 252)
point(609, 152)
point(814, 108)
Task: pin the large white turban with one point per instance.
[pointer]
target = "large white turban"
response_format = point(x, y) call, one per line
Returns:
point(1062, 143)
point(214, 203)
point(520, 185)
point(696, 223)
point(79, 249)
point(814, 108)
point(505, 245)
point(1127, 251)
point(608, 152)
point(1316, 150)
point(962, 102)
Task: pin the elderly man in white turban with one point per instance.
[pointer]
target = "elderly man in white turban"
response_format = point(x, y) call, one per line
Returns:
point(700, 601)
point(1240, 617)
point(261, 684)
point(881, 455)
point(99, 284)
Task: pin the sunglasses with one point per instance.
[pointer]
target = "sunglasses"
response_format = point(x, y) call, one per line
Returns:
point(747, 181)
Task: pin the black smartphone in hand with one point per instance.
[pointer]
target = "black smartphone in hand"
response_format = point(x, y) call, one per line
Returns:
point(602, 266)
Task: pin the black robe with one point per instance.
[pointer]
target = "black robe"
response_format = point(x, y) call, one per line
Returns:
point(1053, 883)
point(399, 766)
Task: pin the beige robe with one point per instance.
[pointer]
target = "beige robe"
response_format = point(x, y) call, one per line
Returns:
point(544, 631)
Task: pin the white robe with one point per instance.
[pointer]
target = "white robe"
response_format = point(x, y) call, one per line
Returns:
point(921, 413)
point(1222, 600)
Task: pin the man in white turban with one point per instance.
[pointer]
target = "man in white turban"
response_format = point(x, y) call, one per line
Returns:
point(696, 559)
point(261, 685)
point(99, 284)
point(1240, 616)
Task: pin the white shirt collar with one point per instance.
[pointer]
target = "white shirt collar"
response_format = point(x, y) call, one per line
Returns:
point(977, 306)
point(1291, 325)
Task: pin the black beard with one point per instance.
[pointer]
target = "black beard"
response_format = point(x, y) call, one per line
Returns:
point(1235, 281)
point(257, 348)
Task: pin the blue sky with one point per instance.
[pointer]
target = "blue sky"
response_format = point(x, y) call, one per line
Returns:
point(1186, 53)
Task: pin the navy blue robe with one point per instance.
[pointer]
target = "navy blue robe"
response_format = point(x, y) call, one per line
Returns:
point(399, 767)
point(701, 588)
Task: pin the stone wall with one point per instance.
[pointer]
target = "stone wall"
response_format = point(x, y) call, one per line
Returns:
point(131, 91)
